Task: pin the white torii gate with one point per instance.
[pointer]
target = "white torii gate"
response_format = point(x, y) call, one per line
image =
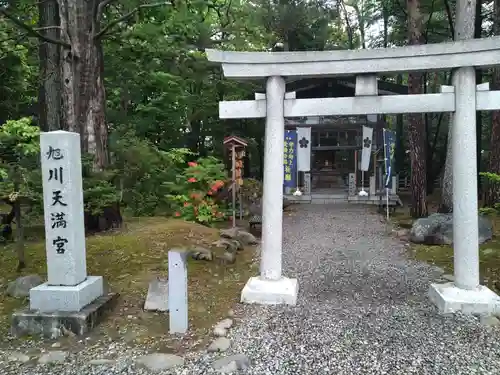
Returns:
point(464, 98)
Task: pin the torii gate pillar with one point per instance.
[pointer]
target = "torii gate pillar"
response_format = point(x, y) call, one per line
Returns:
point(271, 287)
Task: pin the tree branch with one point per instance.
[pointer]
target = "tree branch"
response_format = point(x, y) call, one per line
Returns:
point(450, 19)
point(126, 16)
point(32, 32)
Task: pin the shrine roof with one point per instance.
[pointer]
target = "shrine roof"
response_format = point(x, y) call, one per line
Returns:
point(235, 139)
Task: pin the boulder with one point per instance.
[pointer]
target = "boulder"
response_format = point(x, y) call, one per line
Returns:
point(240, 235)
point(437, 229)
point(228, 244)
point(22, 285)
point(200, 253)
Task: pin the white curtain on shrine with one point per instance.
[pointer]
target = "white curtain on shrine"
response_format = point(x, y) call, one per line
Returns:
point(303, 149)
point(366, 142)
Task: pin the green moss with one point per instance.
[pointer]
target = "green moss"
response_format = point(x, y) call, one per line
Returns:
point(442, 256)
point(130, 259)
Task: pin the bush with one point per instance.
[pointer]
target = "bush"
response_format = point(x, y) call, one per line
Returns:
point(142, 169)
point(194, 190)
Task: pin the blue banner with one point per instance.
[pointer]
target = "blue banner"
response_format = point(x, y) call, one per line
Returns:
point(290, 159)
point(389, 147)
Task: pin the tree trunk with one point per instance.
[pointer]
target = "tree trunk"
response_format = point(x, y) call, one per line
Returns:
point(21, 260)
point(385, 17)
point(463, 29)
point(49, 99)
point(83, 94)
point(416, 128)
point(446, 204)
point(478, 28)
point(493, 192)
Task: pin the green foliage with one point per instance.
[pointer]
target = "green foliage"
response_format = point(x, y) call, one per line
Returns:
point(194, 189)
point(141, 172)
point(491, 178)
point(19, 164)
point(251, 190)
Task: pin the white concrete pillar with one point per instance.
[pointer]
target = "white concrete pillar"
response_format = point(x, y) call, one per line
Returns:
point(465, 294)
point(271, 287)
point(272, 199)
point(465, 208)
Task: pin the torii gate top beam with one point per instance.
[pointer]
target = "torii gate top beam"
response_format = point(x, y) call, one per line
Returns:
point(253, 65)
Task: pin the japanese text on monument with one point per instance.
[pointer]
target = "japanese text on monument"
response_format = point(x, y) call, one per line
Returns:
point(58, 216)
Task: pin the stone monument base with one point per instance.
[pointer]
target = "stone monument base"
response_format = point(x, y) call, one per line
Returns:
point(59, 323)
point(270, 292)
point(450, 299)
point(48, 298)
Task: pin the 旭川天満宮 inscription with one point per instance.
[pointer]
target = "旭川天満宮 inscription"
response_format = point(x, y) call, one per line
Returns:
point(57, 218)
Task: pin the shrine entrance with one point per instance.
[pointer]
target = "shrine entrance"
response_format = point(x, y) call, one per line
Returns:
point(464, 98)
point(333, 157)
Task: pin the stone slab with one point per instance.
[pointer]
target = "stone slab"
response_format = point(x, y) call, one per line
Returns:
point(157, 298)
point(48, 298)
point(55, 324)
point(63, 208)
point(450, 299)
point(270, 292)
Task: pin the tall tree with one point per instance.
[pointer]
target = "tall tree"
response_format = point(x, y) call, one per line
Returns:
point(416, 128)
point(493, 192)
point(463, 29)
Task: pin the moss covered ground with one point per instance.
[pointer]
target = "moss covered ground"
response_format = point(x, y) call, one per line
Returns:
point(442, 256)
point(129, 259)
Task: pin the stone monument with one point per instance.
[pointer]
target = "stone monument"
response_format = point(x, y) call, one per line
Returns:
point(70, 299)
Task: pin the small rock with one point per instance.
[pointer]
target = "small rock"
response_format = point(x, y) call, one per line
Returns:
point(488, 251)
point(56, 345)
point(229, 233)
point(220, 332)
point(101, 362)
point(57, 356)
point(200, 253)
point(489, 320)
point(230, 314)
point(229, 258)
point(448, 277)
point(22, 285)
point(246, 238)
point(226, 323)
point(232, 363)
point(18, 357)
point(220, 344)
point(160, 361)
point(242, 236)
point(228, 244)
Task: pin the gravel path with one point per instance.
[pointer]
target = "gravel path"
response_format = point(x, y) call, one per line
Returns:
point(362, 310)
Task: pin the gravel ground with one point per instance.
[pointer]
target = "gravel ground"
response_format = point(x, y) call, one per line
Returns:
point(362, 310)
